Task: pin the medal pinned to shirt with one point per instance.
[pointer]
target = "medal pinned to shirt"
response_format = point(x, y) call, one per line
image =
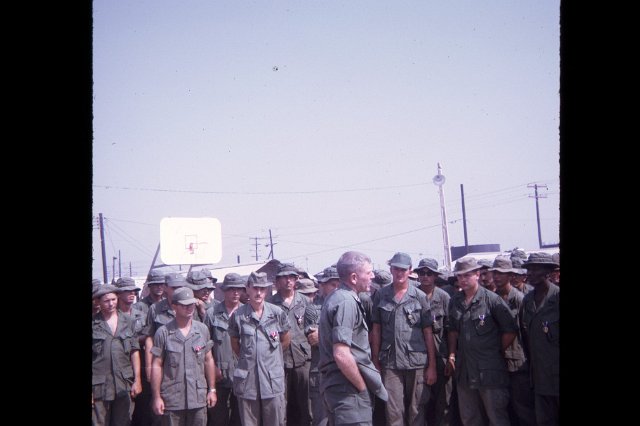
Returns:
point(545, 327)
point(299, 318)
point(481, 317)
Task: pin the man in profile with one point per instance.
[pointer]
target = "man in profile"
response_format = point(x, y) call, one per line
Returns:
point(348, 377)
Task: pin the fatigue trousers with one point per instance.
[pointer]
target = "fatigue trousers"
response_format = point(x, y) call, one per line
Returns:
point(547, 410)
point(193, 417)
point(521, 400)
point(297, 395)
point(346, 406)
point(441, 406)
point(475, 404)
point(317, 405)
point(262, 412)
point(408, 397)
point(226, 411)
point(117, 412)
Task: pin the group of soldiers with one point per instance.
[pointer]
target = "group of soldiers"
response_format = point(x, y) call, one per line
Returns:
point(411, 345)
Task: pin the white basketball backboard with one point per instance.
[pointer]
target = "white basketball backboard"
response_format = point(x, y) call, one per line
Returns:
point(190, 240)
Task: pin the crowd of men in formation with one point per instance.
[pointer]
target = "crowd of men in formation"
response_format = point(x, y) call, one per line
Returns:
point(409, 346)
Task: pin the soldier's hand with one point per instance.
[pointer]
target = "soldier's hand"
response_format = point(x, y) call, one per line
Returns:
point(136, 388)
point(449, 367)
point(312, 338)
point(157, 405)
point(212, 399)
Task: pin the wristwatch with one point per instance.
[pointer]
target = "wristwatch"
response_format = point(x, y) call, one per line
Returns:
point(212, 390)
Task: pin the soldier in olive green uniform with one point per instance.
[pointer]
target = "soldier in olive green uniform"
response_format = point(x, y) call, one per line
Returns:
point(521, 406)
point(143, 416)
point(298, 356)
point(183, 370)
point(481, 328)
point(115, 362)
point(226, 412)
point(540, 325)
point(202, 287)
point(402, 345)
point(442, 408)
point(328, 281)
point(348, 377)
point(259, 334)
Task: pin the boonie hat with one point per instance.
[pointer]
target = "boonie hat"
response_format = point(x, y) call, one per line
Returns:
point(329, 273)
point(126, 284)
point(287, 269)
point(233, 280)
point(183, 296)
point(105, 289)
point(207, 273)
point(174, 279)
point(258, 279)
point(503, 264)
point(485, 263)
point(382, 277)
point(428, 263)
point(306, 286)
point(155, 277)
point(401, 260)
point(466, 264)
point(540, 258)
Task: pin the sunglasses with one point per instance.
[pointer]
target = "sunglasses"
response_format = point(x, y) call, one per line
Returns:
point(422, 273)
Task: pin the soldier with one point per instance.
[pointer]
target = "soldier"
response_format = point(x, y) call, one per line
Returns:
point(481, 328)
point(521, 403)
point(519, 280)
point(202, 287)
point(486, 277)
point(226, 412)
point(259, 333)
point(297, 356)
point(115, 362)
point(95, 285)
point(402, 345)
point(348, 377)
point(183, 370)
point(143, 416)
point(441, 407)
point(328, 281)
point(127, 294)
point(540, 325)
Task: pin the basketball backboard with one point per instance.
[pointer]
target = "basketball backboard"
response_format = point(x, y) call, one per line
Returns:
point(190, 240)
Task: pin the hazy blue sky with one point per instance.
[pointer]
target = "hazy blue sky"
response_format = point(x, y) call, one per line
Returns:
point(324, 121)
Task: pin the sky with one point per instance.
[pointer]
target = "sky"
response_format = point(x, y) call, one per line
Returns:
point(324, 123)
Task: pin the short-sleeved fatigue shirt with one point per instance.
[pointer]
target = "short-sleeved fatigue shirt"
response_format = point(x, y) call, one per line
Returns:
point(439, 304)
point(260, 368)
point(139, 319)
point(514, 354)
point(217, 319)
point(541, 330)
point(160, 313)
point(184, 384)
point(402, 345)
point(479, 360)
point(342, 320)
point(299, 352)
point(112, 374)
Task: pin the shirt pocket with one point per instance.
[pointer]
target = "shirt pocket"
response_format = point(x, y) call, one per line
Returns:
point(240, 381)
point(173, 358)
point(276, 378)
point(220, 330)
point(98, 386)
point(484, 324)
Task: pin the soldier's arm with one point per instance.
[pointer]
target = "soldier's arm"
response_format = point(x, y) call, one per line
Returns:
point(235, 345)
point(347, 365)
point(285, 339)
point(374, 340)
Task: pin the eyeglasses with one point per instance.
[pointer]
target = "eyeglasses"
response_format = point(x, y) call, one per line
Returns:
point(422, 273)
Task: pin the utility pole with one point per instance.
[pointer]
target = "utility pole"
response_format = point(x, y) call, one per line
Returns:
point(536, 186)
point(113, 269)
point(119, 264)
point(256, 238)
point(130, 271)
point(439, 180)
point(270, 245)
point(104, 255)
point(464, 221)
